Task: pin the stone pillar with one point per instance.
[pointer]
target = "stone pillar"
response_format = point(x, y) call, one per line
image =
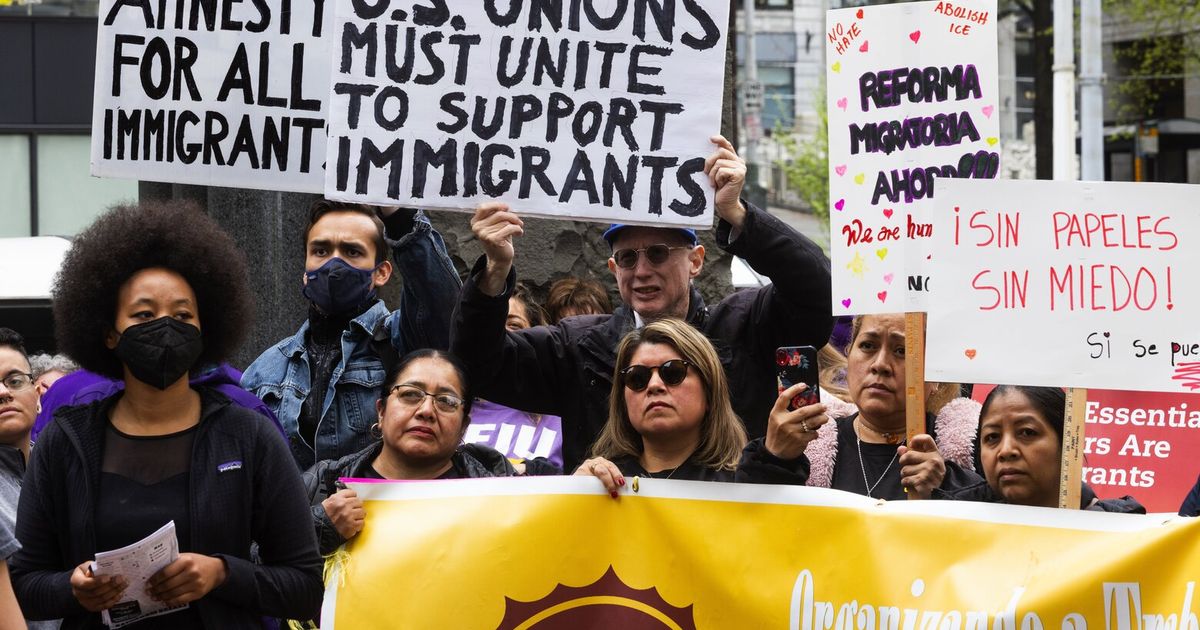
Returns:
point(268, 227)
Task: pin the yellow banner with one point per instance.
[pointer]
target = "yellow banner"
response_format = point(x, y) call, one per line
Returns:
point(558, 553)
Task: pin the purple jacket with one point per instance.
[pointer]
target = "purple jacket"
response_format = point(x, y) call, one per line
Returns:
point(82, 387)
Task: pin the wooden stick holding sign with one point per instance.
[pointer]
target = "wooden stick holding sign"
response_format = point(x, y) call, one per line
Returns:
point(914, 377)
point(1070, 471)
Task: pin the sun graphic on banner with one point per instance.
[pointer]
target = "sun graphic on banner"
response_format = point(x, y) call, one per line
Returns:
point(606, 603)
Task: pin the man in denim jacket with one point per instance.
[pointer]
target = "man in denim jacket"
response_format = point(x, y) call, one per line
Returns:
point(323, 381)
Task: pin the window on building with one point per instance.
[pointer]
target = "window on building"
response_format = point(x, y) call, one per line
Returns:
point(773, 4)
point(1148, 79)
point(14, 185)
point(47, 186)
point(779, 97)
point(69, 198)
point(769, 47)
point(50, 8)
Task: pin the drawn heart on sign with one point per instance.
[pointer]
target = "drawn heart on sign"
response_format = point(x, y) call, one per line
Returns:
point(881, 253)
point(841, 203)
point(992, 141)
point(970, 352)
point(840, 170)
point(858, 179)
point(846, 302)
point(859, 15)
point(987, 111)
point(887, 212)
point(864, 47)
point(888, 277)
point(1107, 335)
point(882, 295)
point(841, 103)
point(915, 36)
point(837, 66)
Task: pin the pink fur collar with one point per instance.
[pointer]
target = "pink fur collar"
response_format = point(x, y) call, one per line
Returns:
point(956, 425)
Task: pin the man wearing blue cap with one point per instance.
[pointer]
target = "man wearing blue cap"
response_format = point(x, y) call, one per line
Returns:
point(567, 369)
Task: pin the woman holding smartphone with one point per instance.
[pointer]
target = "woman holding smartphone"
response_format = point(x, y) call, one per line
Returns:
point(867, 452)
point(670, 417)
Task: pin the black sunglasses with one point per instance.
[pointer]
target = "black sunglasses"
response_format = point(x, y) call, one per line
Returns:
point(672, 372)
point(656, 254)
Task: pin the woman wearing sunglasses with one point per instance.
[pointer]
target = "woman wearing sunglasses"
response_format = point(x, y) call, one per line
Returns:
point(423, 413)
point(669, 417)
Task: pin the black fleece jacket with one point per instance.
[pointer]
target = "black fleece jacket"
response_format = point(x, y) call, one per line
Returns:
point(244, 488)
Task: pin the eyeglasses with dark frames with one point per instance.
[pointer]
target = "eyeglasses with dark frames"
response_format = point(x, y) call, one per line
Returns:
point(637, 377)
point(17, 381)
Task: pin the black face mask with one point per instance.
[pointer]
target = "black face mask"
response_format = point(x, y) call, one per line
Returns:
point(159, 352)
point(337, 287)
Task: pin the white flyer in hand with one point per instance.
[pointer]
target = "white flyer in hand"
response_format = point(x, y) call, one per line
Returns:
point(138, 562)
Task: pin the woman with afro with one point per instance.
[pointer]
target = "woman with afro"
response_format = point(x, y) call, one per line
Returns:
point(145, 295)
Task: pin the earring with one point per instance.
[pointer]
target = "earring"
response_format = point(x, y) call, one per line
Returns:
point(39, 407)
point(376, 431)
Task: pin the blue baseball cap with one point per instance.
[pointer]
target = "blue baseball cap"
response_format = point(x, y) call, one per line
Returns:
point(611, 233)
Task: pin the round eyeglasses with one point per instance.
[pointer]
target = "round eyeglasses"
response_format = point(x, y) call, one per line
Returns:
point(637, 377)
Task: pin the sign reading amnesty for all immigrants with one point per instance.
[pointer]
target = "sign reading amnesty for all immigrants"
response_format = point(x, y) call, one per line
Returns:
point(586, 109)
point(229, 92)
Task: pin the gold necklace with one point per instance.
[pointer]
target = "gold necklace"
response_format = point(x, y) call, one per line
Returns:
point(888, 437)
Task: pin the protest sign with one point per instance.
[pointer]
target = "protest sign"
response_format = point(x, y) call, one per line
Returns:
point(586, 110)
point(912, 94)
point(203, 92)
point(1074, 284)
point(1139, 444)
point(551, 553)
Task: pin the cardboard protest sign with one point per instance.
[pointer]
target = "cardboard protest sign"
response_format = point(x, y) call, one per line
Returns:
point(912, 93)
point(564, 109)
point(1140, 444)
point(479, 553)
point(1073, 284)
point(200, 92)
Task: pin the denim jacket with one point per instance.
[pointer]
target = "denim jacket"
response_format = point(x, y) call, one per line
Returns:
point(280, 375)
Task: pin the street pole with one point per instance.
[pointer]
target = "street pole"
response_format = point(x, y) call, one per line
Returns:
point(1091, 92)
point(1064, 89)
point(750, 85)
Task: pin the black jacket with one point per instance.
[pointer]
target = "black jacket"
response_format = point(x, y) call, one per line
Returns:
point(261, 499)
point(567, 369)
point(1191, 503)
point(756, 465)
point(469, 461)
point(1087, 499)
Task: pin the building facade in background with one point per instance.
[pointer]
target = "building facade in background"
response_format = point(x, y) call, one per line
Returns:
point(46, 77)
